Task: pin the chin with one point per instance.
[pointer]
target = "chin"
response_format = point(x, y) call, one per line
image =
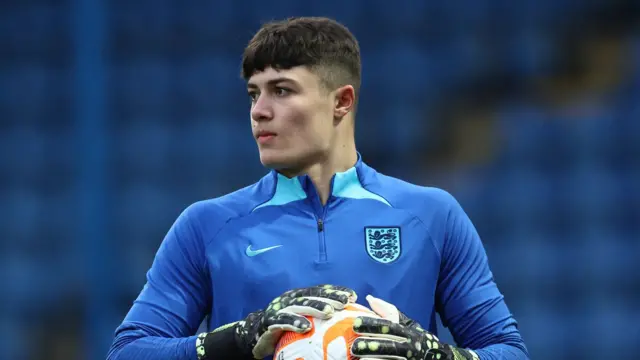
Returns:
point(278, 160)
point(273, 160)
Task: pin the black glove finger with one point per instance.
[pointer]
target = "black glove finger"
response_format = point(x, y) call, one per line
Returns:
point(303, 306)
point(324, 291)
point(350, 292)
point(380, 347)
point(287, 321)
point(365, 325)
point(373, 346)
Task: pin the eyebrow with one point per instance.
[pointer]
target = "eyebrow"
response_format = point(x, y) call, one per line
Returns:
point(273, 82)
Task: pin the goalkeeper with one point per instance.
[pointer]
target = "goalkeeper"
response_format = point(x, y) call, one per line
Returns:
point(247, 264)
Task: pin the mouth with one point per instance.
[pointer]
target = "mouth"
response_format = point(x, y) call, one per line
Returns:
point(265, 136)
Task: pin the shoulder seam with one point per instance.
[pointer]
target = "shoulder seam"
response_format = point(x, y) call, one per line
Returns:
point(426, 228)
point(240, 215)
point(364, 186)
point(199, 233)
point(222, 226)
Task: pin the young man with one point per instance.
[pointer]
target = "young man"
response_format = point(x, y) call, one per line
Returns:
point(321, 216)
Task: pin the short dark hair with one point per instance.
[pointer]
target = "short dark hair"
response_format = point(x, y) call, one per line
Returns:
point(324, 45)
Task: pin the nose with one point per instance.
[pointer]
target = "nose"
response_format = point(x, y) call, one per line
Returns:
point(262, 110)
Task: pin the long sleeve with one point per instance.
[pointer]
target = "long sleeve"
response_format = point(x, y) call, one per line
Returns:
point(467, 297)
point(163, 320)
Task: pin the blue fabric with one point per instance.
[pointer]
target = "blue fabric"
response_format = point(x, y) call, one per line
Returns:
point(202, 267)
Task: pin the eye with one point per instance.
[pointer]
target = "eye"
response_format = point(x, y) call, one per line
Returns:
point(253, 95)
point(281, 91)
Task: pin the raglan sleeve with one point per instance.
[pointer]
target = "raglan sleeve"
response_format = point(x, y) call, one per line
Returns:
point(469, 302)
point(162, 322)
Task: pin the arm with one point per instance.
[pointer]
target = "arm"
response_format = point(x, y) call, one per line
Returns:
point(467, 297)
point(162, 323)
point(165, 316)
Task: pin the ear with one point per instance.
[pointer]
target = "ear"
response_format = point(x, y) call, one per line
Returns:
point(345, 99)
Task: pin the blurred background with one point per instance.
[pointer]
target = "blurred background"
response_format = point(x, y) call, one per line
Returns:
point(116, 115)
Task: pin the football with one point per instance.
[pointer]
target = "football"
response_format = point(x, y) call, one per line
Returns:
point(327, 340)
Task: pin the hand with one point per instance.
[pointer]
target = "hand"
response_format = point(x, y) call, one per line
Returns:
point(262, 330)
point(396, 336)
point(257, 335)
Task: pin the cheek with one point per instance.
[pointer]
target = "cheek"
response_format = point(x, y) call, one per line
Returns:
point(300, 125)
point(306, 126)
point(304, 134)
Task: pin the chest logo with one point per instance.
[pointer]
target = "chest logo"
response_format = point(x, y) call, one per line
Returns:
point(253, 252)
point(383, 243)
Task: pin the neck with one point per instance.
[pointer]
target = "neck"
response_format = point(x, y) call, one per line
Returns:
point(342, 157)
point(321, 173)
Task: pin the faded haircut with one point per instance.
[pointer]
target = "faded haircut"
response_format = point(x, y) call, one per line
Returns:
point(323, 45)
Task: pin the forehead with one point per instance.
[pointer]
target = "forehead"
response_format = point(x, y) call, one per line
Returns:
point(300, 75)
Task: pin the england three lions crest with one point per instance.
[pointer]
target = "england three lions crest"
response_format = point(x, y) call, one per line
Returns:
point(383, 243)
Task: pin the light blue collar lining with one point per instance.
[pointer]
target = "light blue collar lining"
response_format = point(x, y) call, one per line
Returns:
point(345, 185)
point(287, 190)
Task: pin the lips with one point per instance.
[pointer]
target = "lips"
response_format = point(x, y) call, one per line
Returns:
point(263, 133)
point(265, 136)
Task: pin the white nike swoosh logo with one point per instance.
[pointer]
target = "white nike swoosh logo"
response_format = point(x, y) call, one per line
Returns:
point(252, 253)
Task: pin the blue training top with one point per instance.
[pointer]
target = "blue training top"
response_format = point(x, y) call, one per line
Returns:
point(412, 246)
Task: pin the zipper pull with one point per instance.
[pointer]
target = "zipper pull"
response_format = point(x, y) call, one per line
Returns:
point(320, 225)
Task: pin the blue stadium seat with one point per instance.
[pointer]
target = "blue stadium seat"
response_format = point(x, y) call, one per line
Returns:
point(635, 59)
point(29, 90)
point(348, 13)
point(33, 286)
point(34, 27)
point(21, 215)
point(628, 130)
point(210, 141)
point(141, 204)
point(24, 151)
point(457, 60)
point(402, 17)
point(260, 12)
point(523, 194)
point(529, 53)
point(145, 146)
point(208, 85)
point(398, 71)
point(519, 130)
point(143, 87)
point(12, 339)
point(403, 140)
point(595, 193)
point(211, 20)
point(143, 22)
point(595, 135)
point(544, 330)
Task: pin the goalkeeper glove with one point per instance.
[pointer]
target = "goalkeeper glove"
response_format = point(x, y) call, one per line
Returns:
point(395, 336)
point(256, 336)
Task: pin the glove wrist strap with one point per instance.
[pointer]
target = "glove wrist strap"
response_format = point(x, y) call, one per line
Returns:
point(221, 344)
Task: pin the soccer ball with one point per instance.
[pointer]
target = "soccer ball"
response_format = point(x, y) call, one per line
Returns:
point(327, 340)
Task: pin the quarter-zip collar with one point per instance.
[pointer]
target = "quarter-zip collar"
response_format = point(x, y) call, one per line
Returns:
point(345, 184)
